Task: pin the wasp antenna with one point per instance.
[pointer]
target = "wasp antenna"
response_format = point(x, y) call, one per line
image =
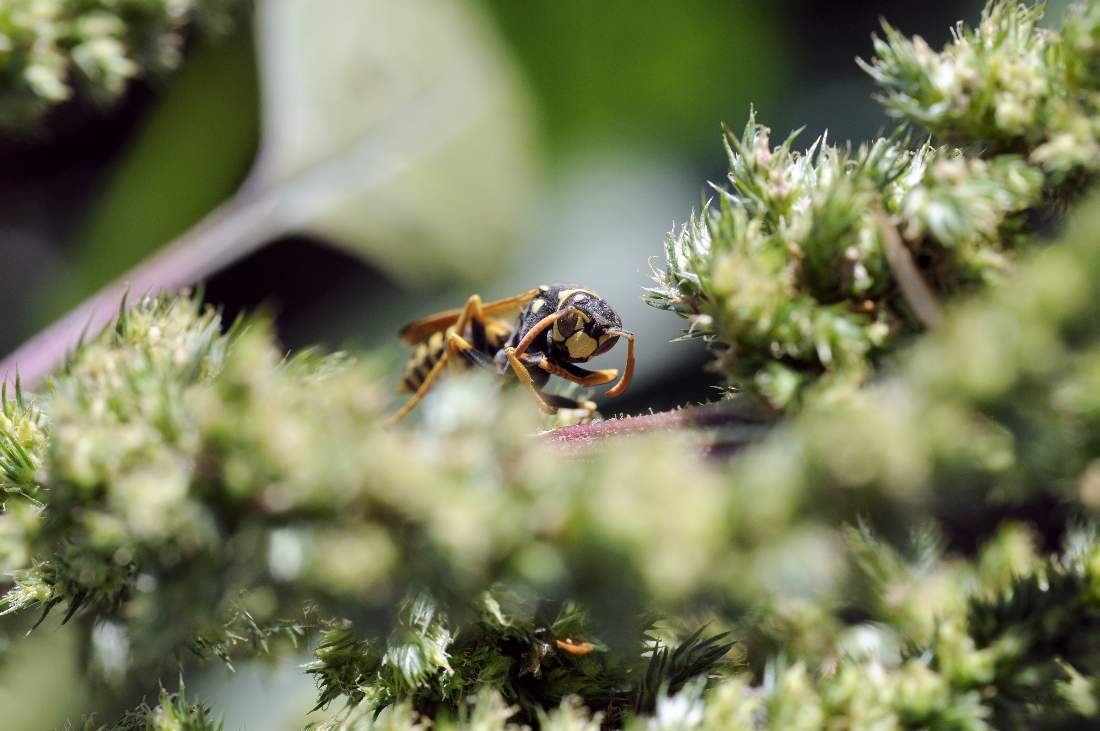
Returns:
point(539, 328)
point(628, 372)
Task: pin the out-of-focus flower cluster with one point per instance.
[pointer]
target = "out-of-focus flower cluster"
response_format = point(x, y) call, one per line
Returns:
point(1006, 84)
point(1004, 641)
point(813, 267)
point(177, 487)
point(185, 468)
point(51, 50)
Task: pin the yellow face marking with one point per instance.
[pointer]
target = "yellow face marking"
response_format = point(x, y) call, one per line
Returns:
point(537, 305)
point(580, 345)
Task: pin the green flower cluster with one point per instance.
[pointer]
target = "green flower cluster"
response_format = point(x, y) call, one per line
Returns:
point(51, 50)
point(179, 467)
point(22, 449)
point(521, 647)
point(173, 712)
point(1005, 641)
point(790, 279)
point(814, 266)
point(179, 488)
point(183, 467)
point(1006, 84)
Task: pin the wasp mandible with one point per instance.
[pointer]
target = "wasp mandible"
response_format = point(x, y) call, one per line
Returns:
point(558, 326)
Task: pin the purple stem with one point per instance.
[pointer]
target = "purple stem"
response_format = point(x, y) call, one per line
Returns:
point(230, 231)
point(725, 425)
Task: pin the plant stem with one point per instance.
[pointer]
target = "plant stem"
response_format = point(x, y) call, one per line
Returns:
point(233, 229)
point(914, 288)
point(724, 427)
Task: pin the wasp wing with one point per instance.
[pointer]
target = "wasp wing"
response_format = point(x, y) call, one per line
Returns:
point(419, 330)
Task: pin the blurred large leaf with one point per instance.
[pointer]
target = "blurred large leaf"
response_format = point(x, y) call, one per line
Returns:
point(655, 75)
point(191, 153)
point(42, 685)
point(397, 130)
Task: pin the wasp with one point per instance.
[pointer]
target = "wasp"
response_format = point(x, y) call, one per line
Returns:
point(558, 326)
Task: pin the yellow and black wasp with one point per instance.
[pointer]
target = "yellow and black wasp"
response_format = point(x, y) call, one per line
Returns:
point(558, 326)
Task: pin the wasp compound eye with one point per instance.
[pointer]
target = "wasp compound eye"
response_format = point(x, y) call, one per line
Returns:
point(606, 342)
point(567, 324)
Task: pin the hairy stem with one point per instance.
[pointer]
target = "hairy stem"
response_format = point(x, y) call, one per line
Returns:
point(723, 427)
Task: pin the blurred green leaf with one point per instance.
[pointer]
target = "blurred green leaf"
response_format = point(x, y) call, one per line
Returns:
point(41, 680)
point(191, 154)
point(396, 130)
point(645, 74)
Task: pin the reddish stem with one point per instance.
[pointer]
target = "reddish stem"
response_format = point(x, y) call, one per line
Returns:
point(725, 426)
point(224, 235)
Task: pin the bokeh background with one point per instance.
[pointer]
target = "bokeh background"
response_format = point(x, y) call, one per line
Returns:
point(536, 142)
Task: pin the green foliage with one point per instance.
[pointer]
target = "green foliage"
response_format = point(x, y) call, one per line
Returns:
point(194, 491)
point(1000, 651)
point(173, 712)
point(517, 646)
point(1006, 85)
point(600, 81)
point(813, 267)
point(246, 486)
point(129, 219)
point(164, 471)
point(182, 467)
point(53, 50)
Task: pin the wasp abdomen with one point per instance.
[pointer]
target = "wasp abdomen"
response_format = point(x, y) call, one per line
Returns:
point(491, 336)
point(423, 359)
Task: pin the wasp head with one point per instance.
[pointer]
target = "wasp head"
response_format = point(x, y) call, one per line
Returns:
point(586, 328)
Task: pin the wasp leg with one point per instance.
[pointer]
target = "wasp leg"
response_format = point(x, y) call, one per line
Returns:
point(472, 312)
point(561, 402)
point(539, 328)
point(524, 377)
point(570, 372)
point(459, 349)
point(564, 402)
point(473, 316)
